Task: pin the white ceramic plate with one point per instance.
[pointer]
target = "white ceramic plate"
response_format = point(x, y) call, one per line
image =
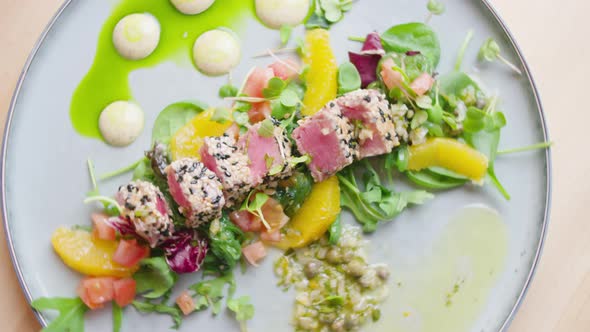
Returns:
point(44, 177)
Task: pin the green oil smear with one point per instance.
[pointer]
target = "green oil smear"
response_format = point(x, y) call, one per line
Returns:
point(450, 288)
point(107, 80)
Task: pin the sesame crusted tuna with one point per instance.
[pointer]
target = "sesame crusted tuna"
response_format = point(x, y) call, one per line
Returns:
point(368, 111)
point(268, 154)
point(221, 155)
point(144, 205)
point(197, 191)
point(328, 138)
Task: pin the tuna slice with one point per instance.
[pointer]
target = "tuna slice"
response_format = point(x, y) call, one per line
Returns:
point(368, 111)
point(267, 154)
point(144, 206)
point(328, 138)
point(220, 155)
point(196, 189)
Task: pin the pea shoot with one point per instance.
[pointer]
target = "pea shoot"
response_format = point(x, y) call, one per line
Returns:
point(490, 51)
point(285, 32)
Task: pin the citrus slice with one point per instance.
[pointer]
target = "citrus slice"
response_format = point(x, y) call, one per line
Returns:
point(322, 74)
point(187, 141)
point(312, 220)
point(450, 154)
point(85, 254)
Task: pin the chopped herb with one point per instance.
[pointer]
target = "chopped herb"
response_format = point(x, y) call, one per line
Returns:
point(266, 129)
point(211, 292)
point(243, 309)
point(221, 115)
point(228, 90)
point(147, 307)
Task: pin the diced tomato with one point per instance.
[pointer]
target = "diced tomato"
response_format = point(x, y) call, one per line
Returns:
point(273, 213)
point(254, 252)
point(246, 221)
point(102, 230)
point(95, 292)
point(257, 81)
point(129, 253)
point(185, 303)
point(272, 236)
point(259, 112)
point(286, 69)
point(124, 291)
point(422, 84)
point(391, 78)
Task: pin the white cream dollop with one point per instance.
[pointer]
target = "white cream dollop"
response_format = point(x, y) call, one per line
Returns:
point(216, 52)
point(192, 7)
point(136, 36)
point(276, 13)
point(121, 122)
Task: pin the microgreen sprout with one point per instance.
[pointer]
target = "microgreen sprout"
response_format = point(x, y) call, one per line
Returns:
point(285, 32)
point(435, 7)
point(463, 50)
point(538, 146)
point(255, 205)
point(490, 51)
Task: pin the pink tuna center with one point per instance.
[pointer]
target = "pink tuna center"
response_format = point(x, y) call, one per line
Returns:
point(260, 149)
point(176, 191)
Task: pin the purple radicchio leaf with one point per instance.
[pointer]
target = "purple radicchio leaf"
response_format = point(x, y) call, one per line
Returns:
point(367, 61)
point(373, 43)
point(184, 251)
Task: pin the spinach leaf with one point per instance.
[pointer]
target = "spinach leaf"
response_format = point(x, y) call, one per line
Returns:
point(225, 242)
point(433, 181)
point(454, 83)
point(71, 313)
point(173, 312)
point(413, 37)
point(349, 78)
point(174, 117)
point(154, 278)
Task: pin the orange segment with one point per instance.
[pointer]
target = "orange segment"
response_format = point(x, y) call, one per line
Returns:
point(322, 76)
point(83, 253)
point(188, 140)
point(450, 154)
point(315, 216)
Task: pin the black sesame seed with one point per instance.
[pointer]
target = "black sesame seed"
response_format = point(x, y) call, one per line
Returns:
point(367, 99)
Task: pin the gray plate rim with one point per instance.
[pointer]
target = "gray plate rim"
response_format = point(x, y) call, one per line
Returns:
point(548, 159)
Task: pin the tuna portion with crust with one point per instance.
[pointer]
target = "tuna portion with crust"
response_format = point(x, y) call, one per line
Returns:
point(368, 111)
point(222, 156)
point(268, 154)
point(328, 139)
point(144, 205)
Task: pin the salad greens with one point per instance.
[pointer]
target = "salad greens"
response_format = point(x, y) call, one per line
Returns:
point(117, 317)
point(225, 242)
point(174, 117)
point(71, 313)
point(243, 309)
point(349, 78)
point(490, 51)
point(111, 207)
point(327, 12)
point(254, 205)
point(211, 292)
point(228, 90)
point(173, 311)
point(375, 202)
point(286, 31)
point(413, 37)
point(335, 231)
point(292, 193)
point(154, 279)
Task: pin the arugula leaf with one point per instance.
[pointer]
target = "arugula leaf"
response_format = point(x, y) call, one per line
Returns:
point(173, 312)
point(376, 203)
point(154, 277)
point(117, 317)
point(174, 117)
point(71, 313)
point(413, 37)
point(349, 78)
point(286, 31)
point(211, 292)
point(243, 309)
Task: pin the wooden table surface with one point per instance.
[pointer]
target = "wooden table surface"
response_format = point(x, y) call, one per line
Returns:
point(554, 38)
